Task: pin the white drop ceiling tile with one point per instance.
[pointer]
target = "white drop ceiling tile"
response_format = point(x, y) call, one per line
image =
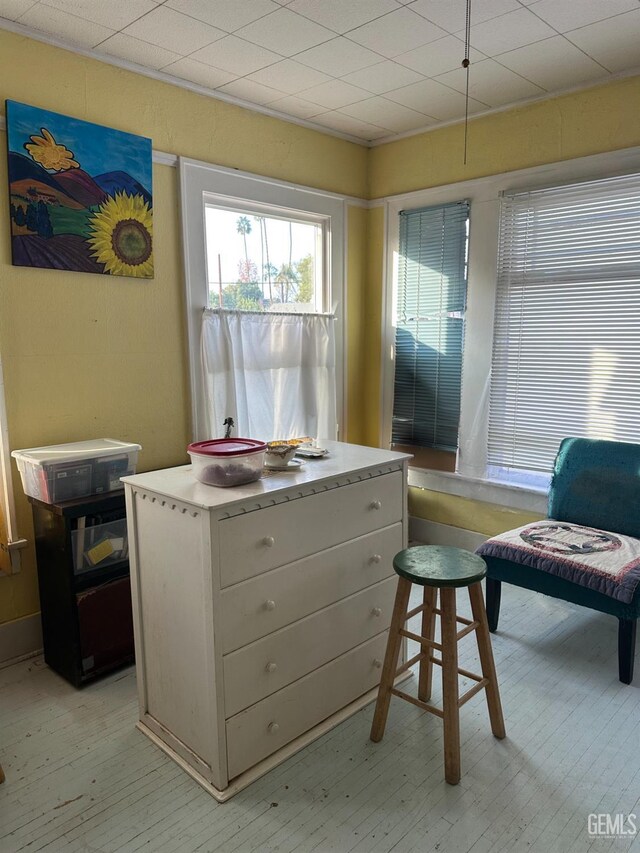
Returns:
point(396, 33)
point(115, 14)
point(340, 16)
point(285, 32)
point(338, 57)
point(289, 76)
point(451, 15)
point(613, 43)
point(565, 16)
point(134, 50)
point(297, 107)
point(433, 99)
point(236, 55)
point(198, 72)
point(387, 114)
point(553, 64)
point(247, 90)
point(383, 77)
point(334, 94)
point(507, 32)
point(439, 56)
point(13, 9)
point(173, 31)
point(68, 27)
point(346, 124)
point(227, 15)
point(491, 83)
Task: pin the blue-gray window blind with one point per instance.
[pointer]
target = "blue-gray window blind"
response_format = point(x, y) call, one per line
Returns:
point(431, 300)
point(566, 352)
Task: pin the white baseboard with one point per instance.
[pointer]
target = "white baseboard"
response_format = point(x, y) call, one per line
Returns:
point(20, 639)
point(434, 533)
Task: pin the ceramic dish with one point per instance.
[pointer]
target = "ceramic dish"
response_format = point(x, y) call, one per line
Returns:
point(311, 452)
point(291, 465)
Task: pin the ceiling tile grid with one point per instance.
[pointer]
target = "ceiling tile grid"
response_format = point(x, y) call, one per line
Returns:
point(367, 69)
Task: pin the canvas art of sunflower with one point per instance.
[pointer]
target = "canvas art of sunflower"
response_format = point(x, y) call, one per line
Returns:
point(80, 194)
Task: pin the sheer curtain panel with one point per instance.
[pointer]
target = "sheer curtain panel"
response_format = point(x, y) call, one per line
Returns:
point(274, 374)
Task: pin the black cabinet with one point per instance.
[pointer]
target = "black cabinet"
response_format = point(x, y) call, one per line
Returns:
point(85, 593)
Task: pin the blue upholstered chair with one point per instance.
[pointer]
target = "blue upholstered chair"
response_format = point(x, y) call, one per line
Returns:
point(594, 505)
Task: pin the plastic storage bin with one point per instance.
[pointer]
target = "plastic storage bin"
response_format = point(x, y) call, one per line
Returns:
point(227, 461)
point(62, 472)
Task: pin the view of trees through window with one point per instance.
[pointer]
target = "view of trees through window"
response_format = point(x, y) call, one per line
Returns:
point(263, 263)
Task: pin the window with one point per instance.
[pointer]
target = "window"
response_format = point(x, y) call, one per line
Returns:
point(566, 345)
point(430, 306)
point(262, 262)
point(230, 220)
point(551, 323)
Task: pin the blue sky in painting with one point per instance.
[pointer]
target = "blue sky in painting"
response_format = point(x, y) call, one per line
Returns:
point(98, 149)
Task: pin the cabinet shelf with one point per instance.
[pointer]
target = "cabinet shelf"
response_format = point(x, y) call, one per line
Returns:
point(83, 578)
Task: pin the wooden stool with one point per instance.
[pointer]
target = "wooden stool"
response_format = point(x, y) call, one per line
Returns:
point(439, 568)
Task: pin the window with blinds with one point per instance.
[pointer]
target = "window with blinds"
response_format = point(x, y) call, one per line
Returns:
point(566, 358)
point(431, 299)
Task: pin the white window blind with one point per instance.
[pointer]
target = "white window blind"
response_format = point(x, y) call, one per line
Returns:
point(432, 290)
point(566, 358)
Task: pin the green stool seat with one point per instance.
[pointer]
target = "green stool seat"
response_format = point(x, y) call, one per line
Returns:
point(439, 565)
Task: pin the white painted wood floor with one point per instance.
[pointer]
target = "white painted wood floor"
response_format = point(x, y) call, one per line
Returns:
point(80, 777)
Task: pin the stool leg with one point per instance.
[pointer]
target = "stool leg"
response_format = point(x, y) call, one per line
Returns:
point(428, 630)
point(486, 660)
point(390, 666)
point(450, 686)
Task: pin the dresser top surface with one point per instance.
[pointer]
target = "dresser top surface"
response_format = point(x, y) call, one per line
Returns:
point(342, 459)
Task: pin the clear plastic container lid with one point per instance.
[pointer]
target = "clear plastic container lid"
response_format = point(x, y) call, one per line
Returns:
point(74, 450)
point(222, 447)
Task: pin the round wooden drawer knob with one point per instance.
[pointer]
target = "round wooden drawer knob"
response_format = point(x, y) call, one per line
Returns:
point(376, 611)
point(271, 666)
point(375, 505)
point(269, 605)
point(269, 541)
point(375, 558)
point(377, 663)
point(273, 728)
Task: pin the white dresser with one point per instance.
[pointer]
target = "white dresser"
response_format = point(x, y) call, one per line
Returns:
point(261, 611)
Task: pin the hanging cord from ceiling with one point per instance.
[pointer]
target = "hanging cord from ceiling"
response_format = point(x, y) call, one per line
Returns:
point(466, 62)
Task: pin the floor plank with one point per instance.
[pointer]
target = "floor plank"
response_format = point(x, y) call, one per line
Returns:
point(80, 777)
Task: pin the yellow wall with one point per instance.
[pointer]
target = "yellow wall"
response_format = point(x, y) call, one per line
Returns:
point(466, 513)
point(87, 356)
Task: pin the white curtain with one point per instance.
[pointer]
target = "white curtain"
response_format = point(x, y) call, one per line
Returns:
point(274, 374)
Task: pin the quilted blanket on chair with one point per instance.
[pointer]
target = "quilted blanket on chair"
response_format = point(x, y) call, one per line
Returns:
point(608, 563)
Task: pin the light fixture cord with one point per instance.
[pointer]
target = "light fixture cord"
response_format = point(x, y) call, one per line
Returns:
point(466, 62)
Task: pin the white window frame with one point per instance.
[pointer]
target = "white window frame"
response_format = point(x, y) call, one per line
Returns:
point(15, 543)
point(202, 184)
point(484, 195)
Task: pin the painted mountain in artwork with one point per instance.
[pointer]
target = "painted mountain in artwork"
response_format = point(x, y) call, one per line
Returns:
point(113, 182)
point(67, 217)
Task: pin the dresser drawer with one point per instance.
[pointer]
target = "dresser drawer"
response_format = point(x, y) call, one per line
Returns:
point(258, 541)
point(261, 605)
point(268, 665)
point(263, 728)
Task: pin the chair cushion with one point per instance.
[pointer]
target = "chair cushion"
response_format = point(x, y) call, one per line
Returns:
point(608, 563)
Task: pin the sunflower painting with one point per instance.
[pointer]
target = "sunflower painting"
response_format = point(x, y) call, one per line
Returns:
point(80, 194)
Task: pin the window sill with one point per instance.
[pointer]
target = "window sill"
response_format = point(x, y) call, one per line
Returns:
point(529, 499)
